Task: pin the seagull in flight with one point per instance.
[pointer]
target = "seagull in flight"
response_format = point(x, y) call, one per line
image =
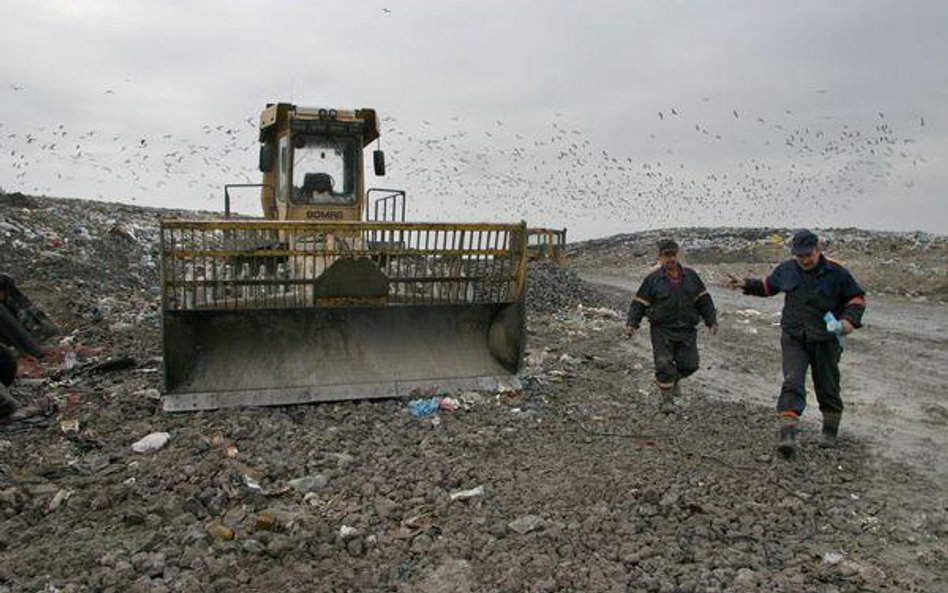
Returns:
point(387, 11)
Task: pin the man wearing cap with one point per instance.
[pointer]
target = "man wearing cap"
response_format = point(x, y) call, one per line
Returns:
point(675, 300)
point(814, 287)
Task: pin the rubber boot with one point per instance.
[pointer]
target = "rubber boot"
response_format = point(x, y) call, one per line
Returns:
point(667, 404)
point(830, 429)
point(787, 445)
point(7, 404)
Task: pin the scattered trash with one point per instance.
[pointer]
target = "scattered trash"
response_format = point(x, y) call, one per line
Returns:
point(507, 387)
point(466, 494)
point(150, 393)
point(60, 497)
point(602, 312)
point(449, 404)
point(471, 398)
point(151, 442)
point(116, 363)
point(346, 532)
point(69, 425)
point(419, 408)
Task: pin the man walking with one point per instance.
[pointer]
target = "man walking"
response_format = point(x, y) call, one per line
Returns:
point(820, 296)
point(674, 299)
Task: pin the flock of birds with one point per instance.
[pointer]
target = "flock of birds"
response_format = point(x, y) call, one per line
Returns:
point(743, 173)
point(739, 170)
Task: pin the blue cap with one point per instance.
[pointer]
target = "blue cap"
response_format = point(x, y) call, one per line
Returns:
point(804, 242)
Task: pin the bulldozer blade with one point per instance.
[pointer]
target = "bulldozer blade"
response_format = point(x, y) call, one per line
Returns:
point(219, 359)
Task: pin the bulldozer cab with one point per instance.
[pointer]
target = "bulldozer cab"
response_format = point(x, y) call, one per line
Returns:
point(312, 164)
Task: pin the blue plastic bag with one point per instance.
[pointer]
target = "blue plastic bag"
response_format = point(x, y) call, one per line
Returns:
point(419, 408)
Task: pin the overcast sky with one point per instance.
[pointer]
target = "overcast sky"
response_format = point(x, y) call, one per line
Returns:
point(598, 116)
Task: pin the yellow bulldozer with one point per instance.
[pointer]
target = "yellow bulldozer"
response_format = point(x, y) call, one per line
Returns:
point(332, 295)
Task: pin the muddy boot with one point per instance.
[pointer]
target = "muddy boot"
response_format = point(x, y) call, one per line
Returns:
point(7, 404)
point(830, 429)
point(667, 404)
point(787, 445)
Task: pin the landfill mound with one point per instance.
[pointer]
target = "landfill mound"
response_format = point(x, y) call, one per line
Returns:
point(575, 483)
point(909, 264)
point(552, 288)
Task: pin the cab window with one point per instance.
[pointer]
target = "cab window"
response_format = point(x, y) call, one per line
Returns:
point(323, 171)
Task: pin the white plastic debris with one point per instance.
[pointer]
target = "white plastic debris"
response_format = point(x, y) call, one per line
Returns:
point(346, 532)
point(466, 494)
point(150, 393)
point(152, 442)
point(832, 558)
point(604, 312)
point(60, 497)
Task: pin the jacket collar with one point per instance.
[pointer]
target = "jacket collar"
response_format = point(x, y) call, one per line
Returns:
point(679, 273)
point(819, 267)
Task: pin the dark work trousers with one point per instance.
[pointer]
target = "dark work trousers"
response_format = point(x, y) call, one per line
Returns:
point(823, 357)
point(675, 352)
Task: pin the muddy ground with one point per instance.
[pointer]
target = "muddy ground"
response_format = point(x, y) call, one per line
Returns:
point(575, 483)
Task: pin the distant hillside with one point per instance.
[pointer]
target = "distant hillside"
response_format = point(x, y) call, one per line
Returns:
point(905, 263)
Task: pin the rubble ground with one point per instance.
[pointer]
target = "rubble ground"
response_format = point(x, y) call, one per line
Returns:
point(576, 483)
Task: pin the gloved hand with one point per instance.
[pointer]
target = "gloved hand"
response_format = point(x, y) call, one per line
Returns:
point(630, 330)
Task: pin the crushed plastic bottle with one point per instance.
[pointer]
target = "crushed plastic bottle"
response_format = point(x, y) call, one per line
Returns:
point(835, 326)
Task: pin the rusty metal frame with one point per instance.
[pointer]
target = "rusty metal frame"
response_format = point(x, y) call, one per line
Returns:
point(256, 264)
point(546, 244)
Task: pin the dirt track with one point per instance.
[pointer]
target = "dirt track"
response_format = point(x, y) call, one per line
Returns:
point(894, 370)
point(585, 486)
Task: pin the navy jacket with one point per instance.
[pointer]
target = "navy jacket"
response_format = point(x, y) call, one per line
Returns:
point(810, 294)
point(670, 304)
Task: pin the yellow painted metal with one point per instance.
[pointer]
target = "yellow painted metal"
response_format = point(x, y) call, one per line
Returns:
point(278, 312)
point(546, 244)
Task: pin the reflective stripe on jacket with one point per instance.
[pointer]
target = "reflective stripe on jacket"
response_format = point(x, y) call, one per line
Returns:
point(809, 295)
